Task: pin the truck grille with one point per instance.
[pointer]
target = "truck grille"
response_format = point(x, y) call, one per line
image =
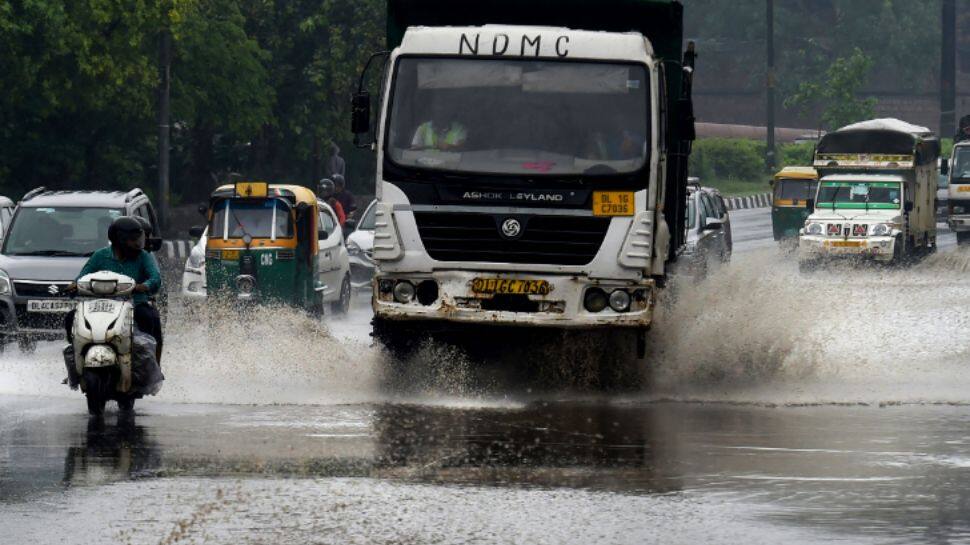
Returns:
point(545, 240)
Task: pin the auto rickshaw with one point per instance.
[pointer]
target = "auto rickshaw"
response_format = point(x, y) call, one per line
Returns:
point(791, 188)
point(262, 245)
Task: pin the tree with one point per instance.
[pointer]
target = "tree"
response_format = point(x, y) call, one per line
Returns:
point(838, 92)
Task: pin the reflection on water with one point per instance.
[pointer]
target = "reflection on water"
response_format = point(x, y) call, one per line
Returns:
point(111, 452)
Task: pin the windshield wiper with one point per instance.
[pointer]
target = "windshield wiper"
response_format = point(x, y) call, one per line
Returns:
point(54, 253)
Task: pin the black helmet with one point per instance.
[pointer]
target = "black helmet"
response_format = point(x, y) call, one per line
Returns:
point(325, 189)
point(124, 228)
point(146, 226)
point(338, 179)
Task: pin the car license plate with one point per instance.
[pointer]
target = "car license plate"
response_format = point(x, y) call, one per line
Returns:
point(52, 305)
point(846, 243)
point(613, 203)
point(505, 286)
point(230, 255)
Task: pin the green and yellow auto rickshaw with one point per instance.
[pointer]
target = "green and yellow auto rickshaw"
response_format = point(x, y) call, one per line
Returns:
point(274, 243)
point(791, 188)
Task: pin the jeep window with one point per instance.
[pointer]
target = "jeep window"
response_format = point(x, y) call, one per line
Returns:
point(59, 231)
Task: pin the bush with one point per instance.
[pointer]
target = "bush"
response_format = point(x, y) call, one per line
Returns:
point(737, 166)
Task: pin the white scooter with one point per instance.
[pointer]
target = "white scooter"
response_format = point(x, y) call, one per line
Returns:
point(108, 358)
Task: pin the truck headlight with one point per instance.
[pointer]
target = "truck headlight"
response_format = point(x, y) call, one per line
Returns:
point(881, 229)
point(813, 229)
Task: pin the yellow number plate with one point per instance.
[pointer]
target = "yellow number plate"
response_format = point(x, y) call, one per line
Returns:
point(491, 286)
point(963, 189)
point(612, 203)
point(846, 243)
point(230, 255)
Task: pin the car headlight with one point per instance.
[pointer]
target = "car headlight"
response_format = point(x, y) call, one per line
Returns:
point(354, 249)
point(813, 229)
point(5, 283)
point(881, 229)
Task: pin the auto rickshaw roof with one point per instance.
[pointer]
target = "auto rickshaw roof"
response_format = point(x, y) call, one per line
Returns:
point(297, 193)
point(797, 173)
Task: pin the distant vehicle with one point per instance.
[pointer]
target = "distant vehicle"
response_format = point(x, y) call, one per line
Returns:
point(791, 189)
point(708, 233)
point(49, 240)
point(958, 191)
point(877, 194)
point(7, 208)
point(724, 216)
point(193, 275)
point(360, 248)
point(269, 242)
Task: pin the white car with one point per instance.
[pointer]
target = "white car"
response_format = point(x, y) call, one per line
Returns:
point(193, 276)
point(334, 262)
point(360, 247)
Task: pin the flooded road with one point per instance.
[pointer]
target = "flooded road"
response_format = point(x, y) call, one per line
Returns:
point(777, 408)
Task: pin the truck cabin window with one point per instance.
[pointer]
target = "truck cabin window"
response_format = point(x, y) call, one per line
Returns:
point(61, 231)
point(795, 190)
point(253, 218)
point(860, 195)
point(961, 164)
point(519, 116)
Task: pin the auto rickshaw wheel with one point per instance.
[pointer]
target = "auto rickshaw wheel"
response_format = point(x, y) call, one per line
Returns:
point(342, 305)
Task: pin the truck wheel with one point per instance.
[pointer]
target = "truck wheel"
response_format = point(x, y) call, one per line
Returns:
point(398, 340)
point(97, 389)
point(342, 306)
point(963, 238)
point(898, 254)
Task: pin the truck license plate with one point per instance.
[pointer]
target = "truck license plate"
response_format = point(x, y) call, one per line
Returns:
point(53, 305)
point(493, 286)
point(613, 203)
point(846, 243)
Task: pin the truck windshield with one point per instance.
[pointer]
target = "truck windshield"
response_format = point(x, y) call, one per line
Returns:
point(961, 163)
point(253, 218)
point(59, 231)
point(519, 116)
point(795, 190)
point(859, 195)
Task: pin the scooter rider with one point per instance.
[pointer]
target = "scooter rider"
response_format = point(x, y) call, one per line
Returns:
point(126, 255)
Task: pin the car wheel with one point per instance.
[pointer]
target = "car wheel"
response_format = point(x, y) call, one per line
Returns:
point(342, 305)
point(27, 345)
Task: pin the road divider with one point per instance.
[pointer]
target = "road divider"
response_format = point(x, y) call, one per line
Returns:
point(761, 200)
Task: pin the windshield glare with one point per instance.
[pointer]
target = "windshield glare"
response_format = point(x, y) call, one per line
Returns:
point(59, 231)
point(253, 218)
point(519, 116)
point(860, 195)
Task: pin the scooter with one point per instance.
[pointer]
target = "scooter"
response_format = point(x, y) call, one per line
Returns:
point(108, 358)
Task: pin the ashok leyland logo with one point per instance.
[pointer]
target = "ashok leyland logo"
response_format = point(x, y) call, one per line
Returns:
point(511, 228)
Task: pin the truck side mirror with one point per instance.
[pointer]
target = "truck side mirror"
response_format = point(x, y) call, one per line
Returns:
point(810, 205)
point(196, 231)
point(360, 113)
point(945, 167)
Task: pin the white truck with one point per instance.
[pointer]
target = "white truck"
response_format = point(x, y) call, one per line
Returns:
point(958, 171)
point(876, 194)
point(529, 174)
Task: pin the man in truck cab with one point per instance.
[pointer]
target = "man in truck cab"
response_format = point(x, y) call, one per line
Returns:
point(442, 132)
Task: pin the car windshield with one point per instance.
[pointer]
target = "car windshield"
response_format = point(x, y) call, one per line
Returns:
point(795, 190)
point(860, 195)
point(367, 223)
point(519, 116)
point(59, 231)
point(237, 218)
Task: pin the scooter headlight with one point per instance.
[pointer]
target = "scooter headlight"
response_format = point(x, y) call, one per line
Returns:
point(881, 229)
point(814, 229)
point(100, 355)
point(4, 283)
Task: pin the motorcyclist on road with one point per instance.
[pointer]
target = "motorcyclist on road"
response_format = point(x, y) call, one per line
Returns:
point(126, 255)
point(327, 194)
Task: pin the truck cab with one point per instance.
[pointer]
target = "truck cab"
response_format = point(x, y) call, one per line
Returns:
point(523, 173)
point(958, 218)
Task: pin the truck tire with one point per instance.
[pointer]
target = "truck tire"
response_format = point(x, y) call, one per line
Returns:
point(397, 339)
point(963, 238)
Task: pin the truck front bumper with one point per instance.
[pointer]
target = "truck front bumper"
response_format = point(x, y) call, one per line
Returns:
point(818, 247)
point(562, 307)
point(959, 223)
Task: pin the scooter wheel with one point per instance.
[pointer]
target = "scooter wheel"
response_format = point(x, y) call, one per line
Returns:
point(97, 388)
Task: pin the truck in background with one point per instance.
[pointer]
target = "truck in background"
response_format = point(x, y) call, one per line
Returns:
point(531, 164)
point(876, 194)
point(957, 170)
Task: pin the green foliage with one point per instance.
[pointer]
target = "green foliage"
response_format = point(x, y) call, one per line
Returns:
point(838, 92)
point(737, 166)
